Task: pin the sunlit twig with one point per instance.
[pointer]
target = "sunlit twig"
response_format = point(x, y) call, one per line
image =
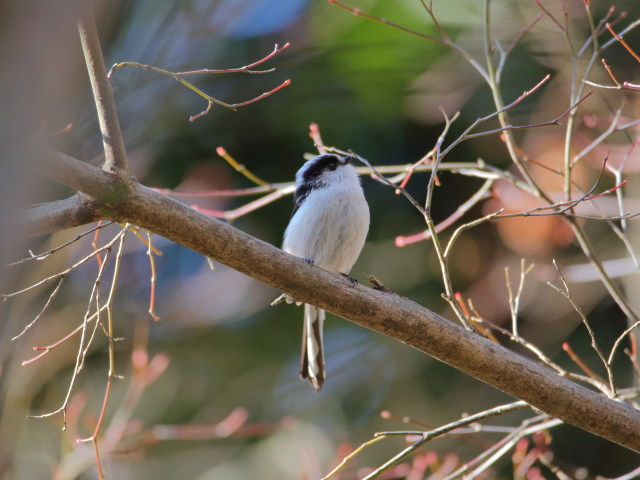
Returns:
point(45, 255)
point(222, 152)
point(46, 305)
point(179, 76)
point(514, 300)
point(566, 293)
point(437, 432)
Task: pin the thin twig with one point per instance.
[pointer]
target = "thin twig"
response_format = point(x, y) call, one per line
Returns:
point(612, 128)
point(384, 21)
point(245, 69)
point(231, 215)
point(477, 197)
point(66, 271)
point(623, 43)
point(561, 208)
point(510, 443)
point(442, 259)
point(514, 300)
point(346, 459)
point(48, 253)
point(575, 358)
point(619, 340)
point(222, 152)
point(152, 281)
point(380, 176)
point(566, 293)
point(314, 134)
point(477, 319)
point(46, 305)
point(466, 226)
point(45, 349)
point(81, 348)
point(437, 432)
point(554, 121)
point(617, 172)
point(523, 33)
point(179, 76)
point(111, 374)
point(238, 192)
point(453, 45)
point(94, 244)
point(548, 14)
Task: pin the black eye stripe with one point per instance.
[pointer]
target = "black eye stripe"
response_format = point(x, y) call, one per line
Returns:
point(320, 164)
point(309, 179)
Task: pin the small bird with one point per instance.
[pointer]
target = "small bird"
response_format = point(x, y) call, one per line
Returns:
point(328, 227)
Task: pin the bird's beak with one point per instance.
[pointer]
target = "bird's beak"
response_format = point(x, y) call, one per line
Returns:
point(346, 159)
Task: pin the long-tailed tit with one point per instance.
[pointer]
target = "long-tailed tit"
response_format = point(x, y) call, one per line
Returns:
point(328, 227)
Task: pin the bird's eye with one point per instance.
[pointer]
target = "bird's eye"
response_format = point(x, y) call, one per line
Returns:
point(332, 166)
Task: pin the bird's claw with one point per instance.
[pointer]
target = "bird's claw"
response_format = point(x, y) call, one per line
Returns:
point(353, 281)
point(283, 298)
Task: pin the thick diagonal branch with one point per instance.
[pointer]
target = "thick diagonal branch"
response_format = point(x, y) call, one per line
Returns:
point(380, 311)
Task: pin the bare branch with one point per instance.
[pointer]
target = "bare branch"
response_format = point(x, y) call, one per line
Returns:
point(60, 215)
point(246, 69)
point(619, 340)
point(598, 141)
point(550, 15)
point(179, 76)
point(102, 186)
point(479, 321)
point(555, 121)
point(384, 21)
point(566, 293)
point(449, 295)
point(481, 194)
point(514, 300)
point(314, 134)
point(115, 157)
point(44, 309)
point(444, 40)
point(65, 272)
point(498, 449)
point(48, 253)
point(508, 443)
point(238, 192)
point(81, 348)
point(437, 432)
point(249, 207)
point(222, 152)
point(623, 43)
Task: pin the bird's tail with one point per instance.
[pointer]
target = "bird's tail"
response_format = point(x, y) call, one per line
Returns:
point(312, 362)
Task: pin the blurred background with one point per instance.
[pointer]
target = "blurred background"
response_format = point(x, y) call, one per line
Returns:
point(220, 353)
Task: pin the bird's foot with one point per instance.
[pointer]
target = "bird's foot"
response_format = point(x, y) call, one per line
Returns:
point(283, 298)
point(353, 281)
point(309, 260)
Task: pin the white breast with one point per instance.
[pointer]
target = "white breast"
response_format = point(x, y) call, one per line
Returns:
point(331, 225)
